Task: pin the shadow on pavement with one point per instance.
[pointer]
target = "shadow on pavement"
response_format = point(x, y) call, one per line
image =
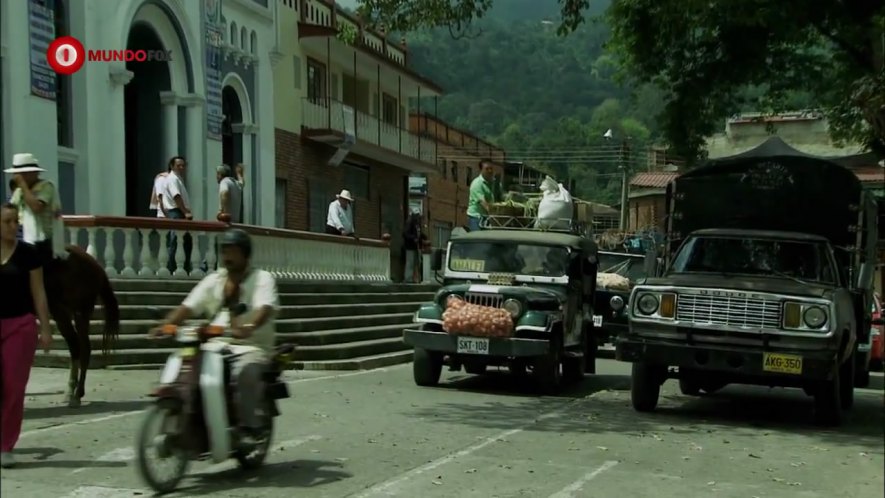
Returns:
point(604, 406)
point(87, 408)
point(501, 382)
point(298, 473)
point(41, 458)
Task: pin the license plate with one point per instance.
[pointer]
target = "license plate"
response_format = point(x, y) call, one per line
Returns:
point(597, 320)
point(473, 345)
point(782, 363)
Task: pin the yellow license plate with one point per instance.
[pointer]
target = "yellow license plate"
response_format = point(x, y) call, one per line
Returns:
point(188, 352)
point(782, 363)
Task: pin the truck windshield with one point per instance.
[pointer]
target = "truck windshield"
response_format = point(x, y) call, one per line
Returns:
point(747, 256)
point(506, 257)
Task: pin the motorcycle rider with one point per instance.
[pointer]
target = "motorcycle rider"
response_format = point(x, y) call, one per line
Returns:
point(231, 287)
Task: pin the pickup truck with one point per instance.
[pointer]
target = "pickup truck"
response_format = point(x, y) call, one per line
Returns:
point(768, 281)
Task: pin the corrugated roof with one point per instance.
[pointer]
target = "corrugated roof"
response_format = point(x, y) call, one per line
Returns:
point(653, 179)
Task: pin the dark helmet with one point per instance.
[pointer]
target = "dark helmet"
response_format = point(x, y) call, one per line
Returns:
point(239, 238)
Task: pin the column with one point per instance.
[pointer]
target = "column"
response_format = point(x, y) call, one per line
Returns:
point(169, 101)
point(199, 175)
point(247, 132)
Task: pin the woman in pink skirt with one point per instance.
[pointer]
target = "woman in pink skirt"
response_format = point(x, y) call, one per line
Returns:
point(21, 278)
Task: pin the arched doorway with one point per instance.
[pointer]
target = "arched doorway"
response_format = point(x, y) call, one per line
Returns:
point(231, 143)
point(144, 120)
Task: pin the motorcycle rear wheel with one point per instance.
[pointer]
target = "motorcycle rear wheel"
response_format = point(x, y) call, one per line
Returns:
point(149, 439)
point(252, 458)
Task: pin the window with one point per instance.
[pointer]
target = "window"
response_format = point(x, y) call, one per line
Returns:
point(280, 193)
point(253, 43)
point(319, 196)
point(233, 34)
point(356, 179)
point(316, 81)
point(244, 39)
point(389, 110)
point(67, 187)
point(63, 85)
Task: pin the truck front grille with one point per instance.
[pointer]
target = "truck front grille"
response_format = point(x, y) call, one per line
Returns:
point(483, 299)
point(731, 311)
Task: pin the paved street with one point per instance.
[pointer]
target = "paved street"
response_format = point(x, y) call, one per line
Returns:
point(374, 433)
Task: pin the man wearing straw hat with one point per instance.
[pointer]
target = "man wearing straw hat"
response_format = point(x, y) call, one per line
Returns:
point(39, 207)
point(339, 221)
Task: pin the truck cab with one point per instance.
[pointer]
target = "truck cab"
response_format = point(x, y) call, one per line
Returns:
point(767, 281)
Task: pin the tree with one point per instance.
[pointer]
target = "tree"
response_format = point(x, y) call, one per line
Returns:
point(703, 55)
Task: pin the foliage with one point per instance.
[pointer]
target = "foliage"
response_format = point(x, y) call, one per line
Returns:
point(701, 60)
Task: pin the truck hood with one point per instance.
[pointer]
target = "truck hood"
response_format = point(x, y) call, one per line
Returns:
point(742, 283)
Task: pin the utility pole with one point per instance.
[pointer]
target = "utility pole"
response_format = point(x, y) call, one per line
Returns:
point(624, 174)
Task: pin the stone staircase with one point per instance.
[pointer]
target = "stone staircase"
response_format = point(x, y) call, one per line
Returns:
point(337, 326)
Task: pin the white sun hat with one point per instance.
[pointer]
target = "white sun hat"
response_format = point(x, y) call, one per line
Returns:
point(24, 163)
point(345, 194)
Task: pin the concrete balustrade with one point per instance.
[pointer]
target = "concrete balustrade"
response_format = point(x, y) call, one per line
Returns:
point(138, 249)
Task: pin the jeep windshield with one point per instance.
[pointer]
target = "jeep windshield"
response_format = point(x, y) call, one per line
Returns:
point(630, 266)
point(795, 259)
point(505, 257)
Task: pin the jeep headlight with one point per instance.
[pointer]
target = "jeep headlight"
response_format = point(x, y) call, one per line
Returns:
point(647, 304)
point(513, 307)
point(814, 317)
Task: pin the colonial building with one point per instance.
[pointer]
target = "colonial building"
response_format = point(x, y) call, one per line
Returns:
point(441, 196)
point(342, 94)
point(104, 132)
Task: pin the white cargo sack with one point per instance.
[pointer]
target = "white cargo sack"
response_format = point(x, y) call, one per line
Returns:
point(612, 281)
point(555, 210)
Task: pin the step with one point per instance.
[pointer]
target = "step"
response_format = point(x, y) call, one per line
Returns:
point(159, 353)
point(283, 286)
point(146, 298)
point(136, 327)
point(149, 312)
point(302, 339)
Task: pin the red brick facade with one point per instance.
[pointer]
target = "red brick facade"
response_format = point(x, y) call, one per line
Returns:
point(301, 161)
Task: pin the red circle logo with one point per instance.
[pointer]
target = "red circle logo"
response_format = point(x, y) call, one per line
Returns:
point(66, 55)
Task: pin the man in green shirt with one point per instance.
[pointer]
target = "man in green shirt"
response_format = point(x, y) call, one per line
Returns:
point(482, 195)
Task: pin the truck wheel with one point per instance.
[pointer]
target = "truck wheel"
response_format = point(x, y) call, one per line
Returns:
point(426, 367)
point(828, 402)
point(846, 382)
point(689, 387)
point(547, 371)
point(573, 369)
point(645, 388)
point(591, 350)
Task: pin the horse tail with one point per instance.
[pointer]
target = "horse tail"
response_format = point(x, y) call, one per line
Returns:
point(111, 315)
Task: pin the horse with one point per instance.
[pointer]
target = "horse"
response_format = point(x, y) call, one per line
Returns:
point(73, 286)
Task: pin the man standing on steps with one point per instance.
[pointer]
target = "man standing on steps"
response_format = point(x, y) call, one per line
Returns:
point(177, 205)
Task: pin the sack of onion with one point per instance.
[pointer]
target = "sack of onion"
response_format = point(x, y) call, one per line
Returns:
point(462, 318)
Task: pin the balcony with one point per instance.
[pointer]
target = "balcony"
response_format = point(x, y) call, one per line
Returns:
point(323, 120)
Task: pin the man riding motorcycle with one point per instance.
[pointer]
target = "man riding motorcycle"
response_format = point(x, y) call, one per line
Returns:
point(230, 289)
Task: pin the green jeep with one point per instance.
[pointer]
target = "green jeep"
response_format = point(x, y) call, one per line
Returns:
point(545, 281)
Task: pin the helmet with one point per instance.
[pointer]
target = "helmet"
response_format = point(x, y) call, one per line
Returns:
point(239, 238)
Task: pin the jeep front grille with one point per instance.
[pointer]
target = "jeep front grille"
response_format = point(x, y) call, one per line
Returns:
point(483, 299)
point(732, 311)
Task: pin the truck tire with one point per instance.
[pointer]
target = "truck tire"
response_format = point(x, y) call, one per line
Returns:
point(828, 402)
point(547, 371)
point(426, 367)
point(573, 369)
point(645, 388)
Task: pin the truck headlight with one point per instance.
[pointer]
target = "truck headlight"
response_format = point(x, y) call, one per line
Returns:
point(814, 317)
point(513, 307)
point(647, 304)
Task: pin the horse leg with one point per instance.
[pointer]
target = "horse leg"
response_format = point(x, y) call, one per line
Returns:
point(66, 327)
point(82, 321)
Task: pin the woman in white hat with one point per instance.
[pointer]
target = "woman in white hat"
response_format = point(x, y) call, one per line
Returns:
point(38, 203)
point(340, 218)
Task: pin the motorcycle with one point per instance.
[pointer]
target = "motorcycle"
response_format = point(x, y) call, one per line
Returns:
point(193, 417)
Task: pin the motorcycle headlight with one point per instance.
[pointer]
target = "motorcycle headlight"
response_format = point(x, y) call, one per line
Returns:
point(814, 317)
point(647, 304)
point(513, 307)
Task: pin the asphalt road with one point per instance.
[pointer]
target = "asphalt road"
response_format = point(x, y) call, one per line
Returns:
point(375, 434)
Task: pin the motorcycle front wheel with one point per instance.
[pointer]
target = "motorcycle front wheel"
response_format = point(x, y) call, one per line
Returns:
point(157, 433)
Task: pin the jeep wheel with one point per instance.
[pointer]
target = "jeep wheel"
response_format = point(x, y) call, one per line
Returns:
point(426, 367)
point(828, 402)
point(547, 371)
point(573, 368)
point(645, 387)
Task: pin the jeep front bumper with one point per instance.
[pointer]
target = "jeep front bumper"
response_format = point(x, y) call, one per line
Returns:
point(498, 346)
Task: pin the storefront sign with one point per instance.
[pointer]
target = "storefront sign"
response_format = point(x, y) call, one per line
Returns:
point(41, 27)
point(214, 30)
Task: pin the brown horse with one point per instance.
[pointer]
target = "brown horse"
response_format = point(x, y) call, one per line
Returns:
point(73, 286)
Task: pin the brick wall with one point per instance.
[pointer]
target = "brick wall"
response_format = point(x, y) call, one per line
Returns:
point(300, 161)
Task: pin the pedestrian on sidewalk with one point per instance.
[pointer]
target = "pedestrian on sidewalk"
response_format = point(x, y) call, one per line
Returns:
point(413, 242)
point(21, 274)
